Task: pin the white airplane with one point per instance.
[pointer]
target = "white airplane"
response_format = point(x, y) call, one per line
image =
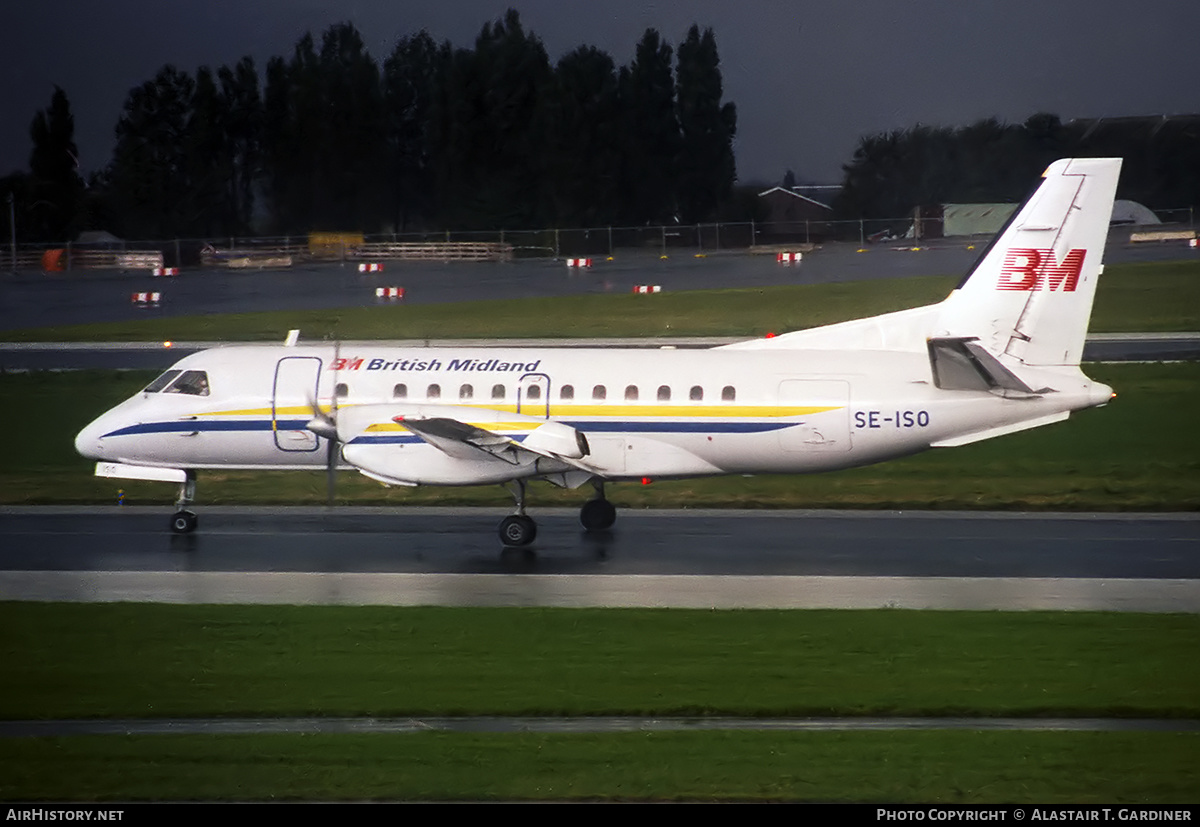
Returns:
point(999, 355)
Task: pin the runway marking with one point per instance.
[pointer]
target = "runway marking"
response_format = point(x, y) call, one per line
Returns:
point(607, 591)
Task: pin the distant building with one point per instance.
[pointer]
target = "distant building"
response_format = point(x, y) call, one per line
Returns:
point(944, 220)
point(789, 213)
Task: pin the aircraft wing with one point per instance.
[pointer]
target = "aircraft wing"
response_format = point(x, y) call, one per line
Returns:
point(474, 443)
point(462, 440)
point(549, 440)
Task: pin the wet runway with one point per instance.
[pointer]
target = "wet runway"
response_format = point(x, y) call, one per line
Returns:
point(450, 556)
point(35, 299)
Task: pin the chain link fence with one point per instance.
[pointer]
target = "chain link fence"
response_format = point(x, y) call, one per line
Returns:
point(264, 252)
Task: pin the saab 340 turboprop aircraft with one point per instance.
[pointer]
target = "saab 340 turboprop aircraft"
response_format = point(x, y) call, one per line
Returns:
point(999, 355)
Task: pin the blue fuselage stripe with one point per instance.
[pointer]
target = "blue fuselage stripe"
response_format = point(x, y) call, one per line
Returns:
point(587, 426)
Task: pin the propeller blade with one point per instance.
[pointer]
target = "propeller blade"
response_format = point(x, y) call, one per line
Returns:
point(332, 445)
point(331, 453)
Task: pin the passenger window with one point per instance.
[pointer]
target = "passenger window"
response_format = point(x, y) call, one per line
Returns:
point(631, 393)
point(728, 394)
point(599, 393)
point(696, 394)
point(533, 392)
point(162, 381)
point(497, 391)
point(466, 392)
point(192, 383)
point(341, 390)
point(400, 392)
point(664, 393)
point(434, 392)
point(567, 393)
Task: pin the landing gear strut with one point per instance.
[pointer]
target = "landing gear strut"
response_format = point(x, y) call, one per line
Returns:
point(597, 514)
point(517, 529)
point(184, 521)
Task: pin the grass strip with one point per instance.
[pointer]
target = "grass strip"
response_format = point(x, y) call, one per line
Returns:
point(147, 660)
point(892, 767)
point(1157, 296)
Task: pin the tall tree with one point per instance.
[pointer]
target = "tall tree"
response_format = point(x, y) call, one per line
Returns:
point(243, 118)
point(583, 134)
point(651, 127)
point(350, 164)
point(488, 129)
point(205, 209)
point(149, 171)
point(706, 128)
point(410, 75)
point(56, 188)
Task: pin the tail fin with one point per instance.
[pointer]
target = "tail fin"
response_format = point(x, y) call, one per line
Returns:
point(1030, 296)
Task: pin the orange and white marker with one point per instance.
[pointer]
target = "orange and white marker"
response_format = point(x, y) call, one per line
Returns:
point(145, 298)
point(389, 292)
point(165, 271)
point(648, 288)
point(579, 262)
point(373, 267)
point(789, 258)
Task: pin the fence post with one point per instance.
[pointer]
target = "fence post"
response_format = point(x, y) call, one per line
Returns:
point(178, 257)
point(556, 242)
point(862, 239)
point(751, 232)
point(68, 256)
point(663, 230)
point(610, 247)
point(12, 229)
point(807, 238)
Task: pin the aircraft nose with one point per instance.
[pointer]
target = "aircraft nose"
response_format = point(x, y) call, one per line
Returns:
point(88, 442)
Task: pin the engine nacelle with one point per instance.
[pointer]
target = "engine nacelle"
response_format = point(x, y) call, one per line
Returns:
point(558, 439)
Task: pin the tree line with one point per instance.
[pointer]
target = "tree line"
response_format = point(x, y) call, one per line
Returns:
point(992, 162)
point(489, 137)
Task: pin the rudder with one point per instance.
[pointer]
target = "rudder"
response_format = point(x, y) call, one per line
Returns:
point(1030, 296)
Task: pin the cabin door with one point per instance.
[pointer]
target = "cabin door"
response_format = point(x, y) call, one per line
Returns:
point(292, 398)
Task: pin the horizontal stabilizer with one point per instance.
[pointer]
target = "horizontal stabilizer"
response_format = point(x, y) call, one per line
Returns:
point(960, 363)
point(1002, 430)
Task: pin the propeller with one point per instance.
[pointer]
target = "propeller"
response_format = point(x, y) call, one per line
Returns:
point(324, 424)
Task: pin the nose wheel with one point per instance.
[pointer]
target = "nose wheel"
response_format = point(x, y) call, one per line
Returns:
point(184, 521)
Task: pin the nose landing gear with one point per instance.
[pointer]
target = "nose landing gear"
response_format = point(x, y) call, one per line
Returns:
point(184, 521)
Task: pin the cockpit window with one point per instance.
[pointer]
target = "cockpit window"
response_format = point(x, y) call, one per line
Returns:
point(192, 382)
point(162, 381)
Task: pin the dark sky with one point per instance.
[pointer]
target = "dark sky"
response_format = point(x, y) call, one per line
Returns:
point(808, 78)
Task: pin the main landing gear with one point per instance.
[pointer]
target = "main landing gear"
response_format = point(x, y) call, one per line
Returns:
point(184, 521)
point(518, 529)
point(597, 514)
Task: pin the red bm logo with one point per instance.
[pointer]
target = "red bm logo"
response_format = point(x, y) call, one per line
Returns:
point(1026, 268)
point(346, 364)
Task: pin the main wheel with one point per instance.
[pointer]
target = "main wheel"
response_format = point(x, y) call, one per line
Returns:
point(597, 515)
point(183, 522)
point(517, 530)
